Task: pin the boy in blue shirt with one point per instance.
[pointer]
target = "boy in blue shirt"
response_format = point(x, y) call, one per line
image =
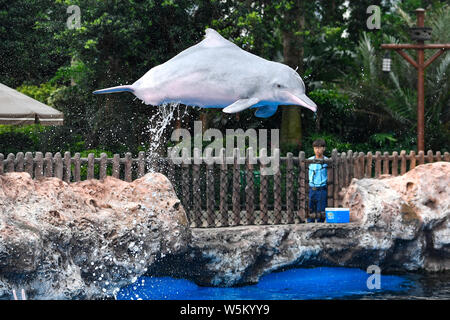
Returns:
point(318, 178)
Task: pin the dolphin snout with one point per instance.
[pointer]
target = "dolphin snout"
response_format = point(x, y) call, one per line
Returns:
point(302, 100)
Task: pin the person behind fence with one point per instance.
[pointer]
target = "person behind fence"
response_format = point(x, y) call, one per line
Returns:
point(318, 178)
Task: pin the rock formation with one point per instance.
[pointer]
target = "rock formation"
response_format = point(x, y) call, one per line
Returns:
point(86, 239)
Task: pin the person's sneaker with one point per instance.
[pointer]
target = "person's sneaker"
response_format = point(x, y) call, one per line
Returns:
point(322, 217)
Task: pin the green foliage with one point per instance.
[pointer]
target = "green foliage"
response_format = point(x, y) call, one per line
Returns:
point(383, 139)
point(27, 51)
point(15, 139)
point(390, 101)
point(332, 142)
point(41, 93)
point(335, 110)
point(360, 108)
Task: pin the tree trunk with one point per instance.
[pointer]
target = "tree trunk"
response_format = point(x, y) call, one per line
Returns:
point(291, 125)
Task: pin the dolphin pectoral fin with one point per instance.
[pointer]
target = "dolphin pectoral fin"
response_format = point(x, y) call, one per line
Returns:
point(266, 111)
point(240, 105)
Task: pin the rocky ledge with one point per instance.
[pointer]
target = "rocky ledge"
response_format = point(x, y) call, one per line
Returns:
point(397, 223)
point(87, 239)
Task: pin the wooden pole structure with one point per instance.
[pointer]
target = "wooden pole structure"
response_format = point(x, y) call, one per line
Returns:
point(420, 65)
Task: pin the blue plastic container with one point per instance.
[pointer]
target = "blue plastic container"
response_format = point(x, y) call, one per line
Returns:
point(337, 215)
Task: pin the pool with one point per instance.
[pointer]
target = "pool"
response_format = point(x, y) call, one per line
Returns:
point(292, 284)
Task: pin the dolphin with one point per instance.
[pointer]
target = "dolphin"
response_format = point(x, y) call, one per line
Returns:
point(216, 73)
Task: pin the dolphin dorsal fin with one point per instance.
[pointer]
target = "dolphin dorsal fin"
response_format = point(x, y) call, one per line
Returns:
point(214, 39)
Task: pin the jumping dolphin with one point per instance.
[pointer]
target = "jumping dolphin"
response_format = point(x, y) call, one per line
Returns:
point(216, 73)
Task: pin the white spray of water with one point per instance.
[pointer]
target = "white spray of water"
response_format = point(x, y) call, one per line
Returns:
point(157, 127)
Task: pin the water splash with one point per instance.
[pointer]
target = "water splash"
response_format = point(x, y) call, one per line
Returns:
point(156, 128)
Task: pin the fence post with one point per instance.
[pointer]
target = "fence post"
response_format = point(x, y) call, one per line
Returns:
point(349, 167)
point(438, 156)
point(377, 164)
point(38, 169)
point(10, 162)
point(236, 188)
point(223, 189)
point(355, 165)
point(412, 159)
point(386, 163)
point(263, 188)
point(103, 165)
point(430, 156)
point(277, 190)
point(402, 162)
point(334, 156)
point(141, 164)
point(48, 164)
point(171, 168)
point(59, 166)
point(186, 178)
point(19, 157)
point(128, 175)
point(116, 166)
point(395, 163)
point(77, 167)
point(196, 192)
point(68, 166)
point(330, 180)
point(90, 166)
point(210, 195)
point(341, 171)
point(28, 163)
point(301, 197)
point(361, 165)
point(345, 170)
point(2, 157)
point(446, 156)
point(368, 173)
point(289, 188)
point(421, 157)
point(250, 188)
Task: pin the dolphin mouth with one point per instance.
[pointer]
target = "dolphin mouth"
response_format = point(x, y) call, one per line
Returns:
point(303, 101)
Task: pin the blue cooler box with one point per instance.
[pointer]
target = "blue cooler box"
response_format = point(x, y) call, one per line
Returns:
point(337, 215)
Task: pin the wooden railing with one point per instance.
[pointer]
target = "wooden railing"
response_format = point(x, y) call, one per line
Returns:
point(229, 193)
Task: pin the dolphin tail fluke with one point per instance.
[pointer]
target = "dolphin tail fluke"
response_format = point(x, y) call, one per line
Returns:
point(127, 88)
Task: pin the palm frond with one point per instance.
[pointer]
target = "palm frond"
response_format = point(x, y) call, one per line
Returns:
point(406, 17)
point(440, 22)
point(366, 52)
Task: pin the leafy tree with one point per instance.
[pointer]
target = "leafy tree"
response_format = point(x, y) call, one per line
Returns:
point(390, 99)
point(26, 50)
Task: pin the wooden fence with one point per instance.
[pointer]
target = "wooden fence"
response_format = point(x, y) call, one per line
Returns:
point(229, 193)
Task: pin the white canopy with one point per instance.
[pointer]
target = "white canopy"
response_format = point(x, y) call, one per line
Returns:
point(18, 108)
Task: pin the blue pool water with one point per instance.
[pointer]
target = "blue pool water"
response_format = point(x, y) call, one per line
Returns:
point(293, 284)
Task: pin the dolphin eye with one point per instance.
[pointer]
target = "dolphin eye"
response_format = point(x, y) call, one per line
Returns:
point(278, 85)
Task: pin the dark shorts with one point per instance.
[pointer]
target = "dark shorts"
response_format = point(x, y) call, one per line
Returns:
point(317, 199)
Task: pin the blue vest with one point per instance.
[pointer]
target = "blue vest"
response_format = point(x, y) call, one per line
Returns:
point(318, 175)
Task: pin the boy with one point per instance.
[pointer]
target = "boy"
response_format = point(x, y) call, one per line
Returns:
point(318, 182)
